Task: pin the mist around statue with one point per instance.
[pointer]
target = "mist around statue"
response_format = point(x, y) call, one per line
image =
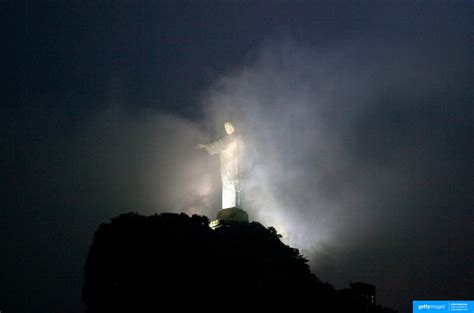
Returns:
point(356, 125)
point(237, 261)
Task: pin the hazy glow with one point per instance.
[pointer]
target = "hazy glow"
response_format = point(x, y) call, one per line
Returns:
point(205, 188)
point(325, 161)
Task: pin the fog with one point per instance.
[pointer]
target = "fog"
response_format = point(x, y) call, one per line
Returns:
point(358, 145)
point(357, 160)
point(354, 156)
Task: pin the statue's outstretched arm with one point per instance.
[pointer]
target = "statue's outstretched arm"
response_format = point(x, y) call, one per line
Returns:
point(213, 147)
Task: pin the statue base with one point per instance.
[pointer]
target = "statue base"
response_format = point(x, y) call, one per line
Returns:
point(227, 217)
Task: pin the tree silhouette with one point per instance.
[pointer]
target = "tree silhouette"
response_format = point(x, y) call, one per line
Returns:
point(146, 264)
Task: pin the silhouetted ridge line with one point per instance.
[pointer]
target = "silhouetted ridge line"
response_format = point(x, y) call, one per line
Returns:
point(145, 264)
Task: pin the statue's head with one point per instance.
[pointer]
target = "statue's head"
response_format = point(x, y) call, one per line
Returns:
point(229, 128)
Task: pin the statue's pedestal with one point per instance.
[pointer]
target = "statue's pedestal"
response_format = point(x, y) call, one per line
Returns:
point(227, 217)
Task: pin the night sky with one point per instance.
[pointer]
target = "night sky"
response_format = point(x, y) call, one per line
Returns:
point(357, 116)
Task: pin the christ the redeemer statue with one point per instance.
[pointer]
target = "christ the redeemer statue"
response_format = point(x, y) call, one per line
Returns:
point(228, 147)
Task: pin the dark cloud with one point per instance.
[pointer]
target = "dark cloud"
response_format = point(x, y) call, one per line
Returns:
point(357, 123)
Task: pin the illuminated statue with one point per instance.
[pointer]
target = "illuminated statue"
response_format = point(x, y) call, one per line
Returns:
point(228, 147)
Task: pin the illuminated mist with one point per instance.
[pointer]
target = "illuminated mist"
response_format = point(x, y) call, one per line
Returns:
point(351, 156)
point(339, 156)
point(352, 162)
point(348, 154)
point(357, 119)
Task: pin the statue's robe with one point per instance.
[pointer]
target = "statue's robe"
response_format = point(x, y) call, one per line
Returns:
point(228, 147)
